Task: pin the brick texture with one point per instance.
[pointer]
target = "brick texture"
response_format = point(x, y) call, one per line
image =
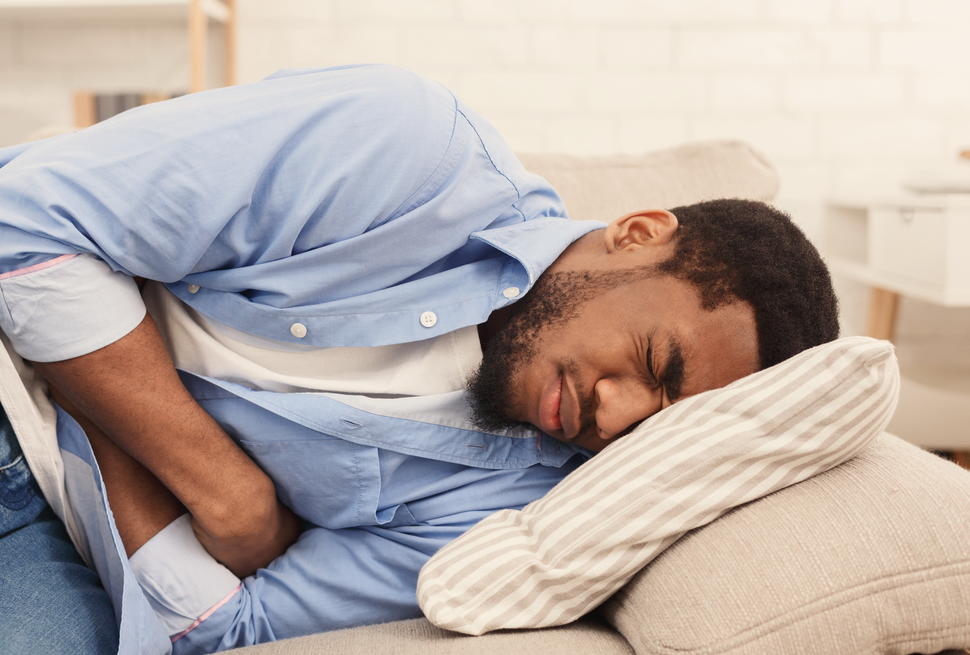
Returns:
point(836, 92)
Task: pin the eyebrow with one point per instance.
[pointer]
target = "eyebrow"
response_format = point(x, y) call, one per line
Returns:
point(673, 375)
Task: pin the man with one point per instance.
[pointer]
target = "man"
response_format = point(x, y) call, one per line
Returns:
point(360, 237)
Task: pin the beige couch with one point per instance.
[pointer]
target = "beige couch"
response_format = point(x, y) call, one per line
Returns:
point(872, 557)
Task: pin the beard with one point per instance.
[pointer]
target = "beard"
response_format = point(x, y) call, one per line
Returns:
point(554, 301)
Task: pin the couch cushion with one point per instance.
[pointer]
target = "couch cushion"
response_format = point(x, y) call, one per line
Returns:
point(610, 186)
point(418, 637)
point(871, 557)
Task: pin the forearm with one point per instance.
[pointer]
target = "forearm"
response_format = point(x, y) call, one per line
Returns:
point(131, 391)
point(140, 503)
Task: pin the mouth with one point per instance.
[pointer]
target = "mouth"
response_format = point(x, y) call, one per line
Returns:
point(549, 420)
point(571, 422)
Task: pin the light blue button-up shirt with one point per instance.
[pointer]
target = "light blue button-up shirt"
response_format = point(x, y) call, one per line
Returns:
point(367, 205)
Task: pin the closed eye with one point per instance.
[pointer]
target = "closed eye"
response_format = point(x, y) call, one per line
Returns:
point(674, 370)
point(649, 364)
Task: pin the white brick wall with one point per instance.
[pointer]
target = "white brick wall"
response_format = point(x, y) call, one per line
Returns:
point(844, 94)
point(924, 49)
point(828, 85)
point(872, 12)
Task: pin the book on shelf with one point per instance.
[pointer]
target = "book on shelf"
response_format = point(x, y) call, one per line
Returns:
point(91, 107)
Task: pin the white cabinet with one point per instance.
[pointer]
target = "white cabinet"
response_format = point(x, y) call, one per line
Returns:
point(911, 245)
point(915, 246)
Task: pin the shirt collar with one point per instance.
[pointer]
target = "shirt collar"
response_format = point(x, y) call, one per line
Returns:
point(536, 244)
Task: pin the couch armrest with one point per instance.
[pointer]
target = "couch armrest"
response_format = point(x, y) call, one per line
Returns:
point(872, 557)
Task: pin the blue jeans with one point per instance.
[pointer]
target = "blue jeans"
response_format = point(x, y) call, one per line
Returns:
point(50, 602)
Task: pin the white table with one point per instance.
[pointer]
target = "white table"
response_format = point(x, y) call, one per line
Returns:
point(902, 245)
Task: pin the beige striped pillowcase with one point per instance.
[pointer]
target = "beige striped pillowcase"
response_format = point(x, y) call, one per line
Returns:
point(567, 552)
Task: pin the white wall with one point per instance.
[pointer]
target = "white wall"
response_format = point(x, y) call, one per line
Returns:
point(839, 93)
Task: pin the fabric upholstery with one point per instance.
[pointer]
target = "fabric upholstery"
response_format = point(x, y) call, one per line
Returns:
point(565, 553)
point(609, 186)
point(870, 557)
point(418, 637)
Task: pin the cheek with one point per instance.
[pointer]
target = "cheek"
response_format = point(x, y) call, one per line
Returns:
point(590, 350)
point(573, 338)
point(596, 318)
point(596, 331)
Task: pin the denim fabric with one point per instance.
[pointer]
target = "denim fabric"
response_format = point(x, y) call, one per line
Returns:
point(50, 602)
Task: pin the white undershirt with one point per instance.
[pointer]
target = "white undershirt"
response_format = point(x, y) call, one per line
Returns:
point(199, 345)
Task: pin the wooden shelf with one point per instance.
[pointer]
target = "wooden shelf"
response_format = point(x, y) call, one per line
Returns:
point(196, 15)
point(109, 10)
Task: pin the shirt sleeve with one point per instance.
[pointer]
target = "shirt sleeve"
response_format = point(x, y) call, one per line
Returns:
point(227, 180)
point(340, 578)
point(66, 307)
point(328, 580)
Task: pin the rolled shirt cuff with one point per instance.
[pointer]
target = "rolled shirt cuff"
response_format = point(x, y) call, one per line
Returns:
point(184, 584)
point(67, 307)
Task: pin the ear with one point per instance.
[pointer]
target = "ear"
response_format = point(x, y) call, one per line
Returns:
point(647, 227)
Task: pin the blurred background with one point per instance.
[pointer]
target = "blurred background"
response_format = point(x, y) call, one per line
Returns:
point(850, 99)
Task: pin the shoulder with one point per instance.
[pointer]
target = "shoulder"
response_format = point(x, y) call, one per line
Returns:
point(376, 90)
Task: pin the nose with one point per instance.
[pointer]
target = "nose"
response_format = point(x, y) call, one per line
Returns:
point(623, 403)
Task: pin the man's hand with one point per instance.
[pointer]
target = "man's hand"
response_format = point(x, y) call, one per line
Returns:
point(142, 506)
point(263, 541)
point(131, 391)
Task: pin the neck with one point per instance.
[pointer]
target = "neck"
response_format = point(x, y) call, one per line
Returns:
point(581, 254)
point(572, 257)
point(493, 324)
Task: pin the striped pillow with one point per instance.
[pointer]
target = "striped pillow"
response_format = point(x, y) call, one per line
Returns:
point(564, 554)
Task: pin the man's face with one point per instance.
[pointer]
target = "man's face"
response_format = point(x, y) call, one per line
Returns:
point(589, 354)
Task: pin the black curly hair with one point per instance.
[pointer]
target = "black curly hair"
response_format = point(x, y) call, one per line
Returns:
point(742, 249)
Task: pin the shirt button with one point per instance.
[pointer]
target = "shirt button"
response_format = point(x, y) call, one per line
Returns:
point(511, 292)
point(298, 330)
point(193, 288)
point(429, 319)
